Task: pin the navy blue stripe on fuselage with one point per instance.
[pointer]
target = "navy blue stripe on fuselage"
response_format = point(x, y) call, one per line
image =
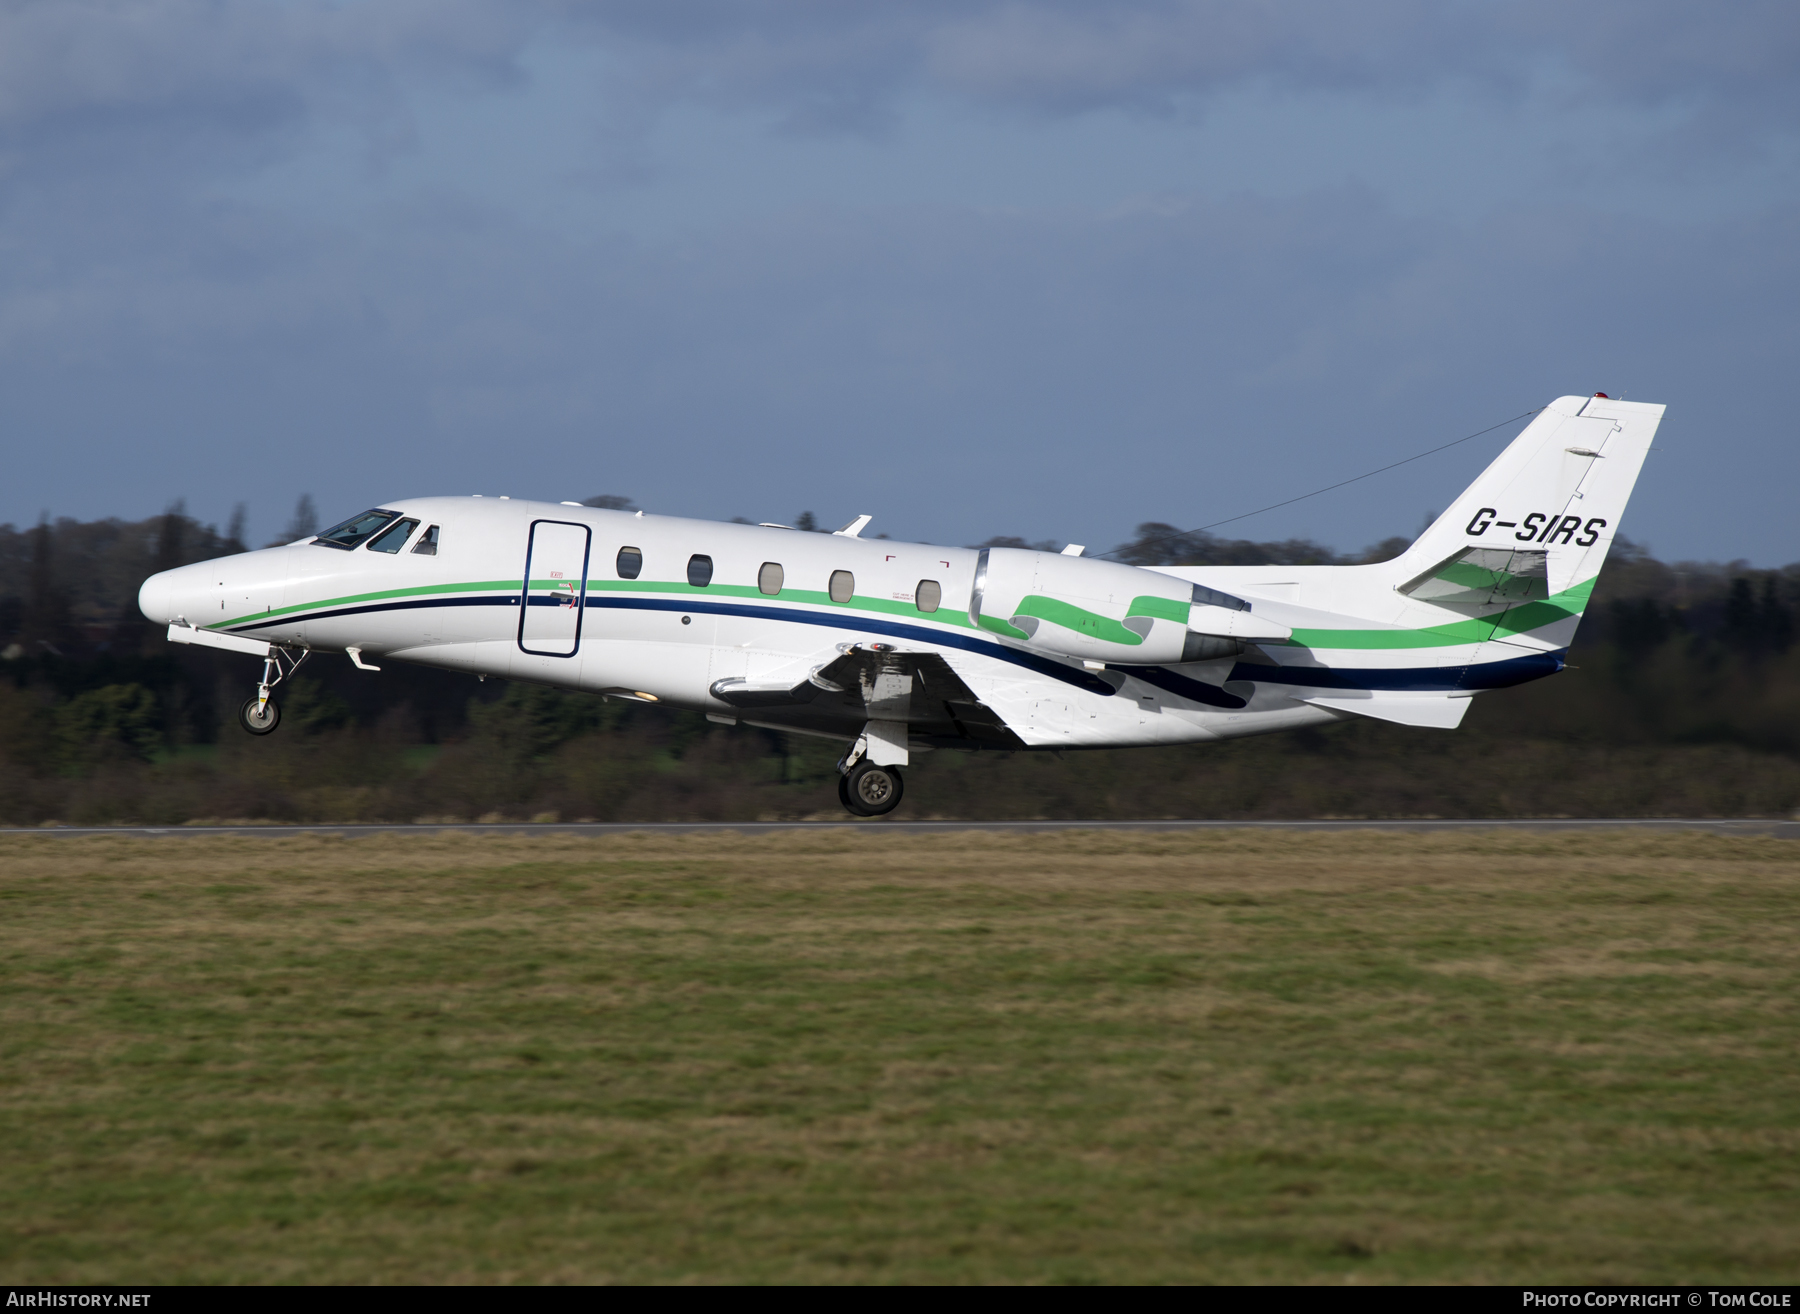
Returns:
point(1416, 679)
point(1081, 679)
point(1421, 679)
point(410, 604)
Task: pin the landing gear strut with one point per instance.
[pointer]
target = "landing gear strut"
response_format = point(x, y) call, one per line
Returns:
point(260, 715)
point(867, 790)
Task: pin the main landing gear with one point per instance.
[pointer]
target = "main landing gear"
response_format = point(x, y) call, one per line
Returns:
point(867, 790)
point(260, 715)
point(873, 789)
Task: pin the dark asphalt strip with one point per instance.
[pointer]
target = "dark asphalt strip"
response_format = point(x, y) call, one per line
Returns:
point(1746, 826)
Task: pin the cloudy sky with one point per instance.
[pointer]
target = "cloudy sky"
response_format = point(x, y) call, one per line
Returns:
point(1046, 269)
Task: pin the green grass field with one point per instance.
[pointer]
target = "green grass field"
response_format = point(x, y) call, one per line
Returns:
point(853, 1056)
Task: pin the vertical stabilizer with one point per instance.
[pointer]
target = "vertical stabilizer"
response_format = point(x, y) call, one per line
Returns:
point(1539, 521)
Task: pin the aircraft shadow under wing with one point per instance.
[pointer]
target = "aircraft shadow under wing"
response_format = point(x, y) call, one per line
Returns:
point(875, 682)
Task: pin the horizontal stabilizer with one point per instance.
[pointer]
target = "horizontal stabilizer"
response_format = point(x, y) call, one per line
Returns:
point(1484, 577)
point(1432, 711)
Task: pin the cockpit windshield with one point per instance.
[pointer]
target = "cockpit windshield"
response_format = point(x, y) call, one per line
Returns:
point(394, 538)
point(355, 530)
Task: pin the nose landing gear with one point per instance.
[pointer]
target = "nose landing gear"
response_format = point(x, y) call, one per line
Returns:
point(260, 715)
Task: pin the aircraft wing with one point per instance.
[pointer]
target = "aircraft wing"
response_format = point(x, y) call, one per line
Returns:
point(877, 682)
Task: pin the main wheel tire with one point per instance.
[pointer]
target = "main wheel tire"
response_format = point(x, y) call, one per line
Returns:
point(872, 791)
point(259, 721)
point(848, 799)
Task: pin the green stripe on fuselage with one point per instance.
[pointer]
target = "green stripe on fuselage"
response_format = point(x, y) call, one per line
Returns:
point(1075, 618)
point(416, 591)
point(1173, 609)
point(1515, 620)
point(809, 597)
point(1000, 627)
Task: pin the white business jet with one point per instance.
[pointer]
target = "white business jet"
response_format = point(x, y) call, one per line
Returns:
point(897, 648)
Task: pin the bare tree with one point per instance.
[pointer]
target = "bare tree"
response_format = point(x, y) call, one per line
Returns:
point(235, 531)
point(305, 522)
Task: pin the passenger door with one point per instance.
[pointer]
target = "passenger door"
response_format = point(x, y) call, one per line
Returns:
point(551, 605)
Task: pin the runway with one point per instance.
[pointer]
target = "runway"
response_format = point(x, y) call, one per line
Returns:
point(1777, 828)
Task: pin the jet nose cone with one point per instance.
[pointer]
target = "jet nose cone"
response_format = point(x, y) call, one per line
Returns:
point(187, 592)
point(156, 598)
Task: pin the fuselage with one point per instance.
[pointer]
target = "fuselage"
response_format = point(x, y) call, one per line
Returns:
point(1066, 651)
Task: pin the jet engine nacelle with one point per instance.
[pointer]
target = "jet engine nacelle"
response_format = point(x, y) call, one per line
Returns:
point(1106, 612)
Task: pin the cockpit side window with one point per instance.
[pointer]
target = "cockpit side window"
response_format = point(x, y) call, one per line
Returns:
point(356, 530)
point(394, 538)
point(427, 544)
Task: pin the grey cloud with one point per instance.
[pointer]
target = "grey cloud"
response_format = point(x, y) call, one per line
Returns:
point(1077, 57)
point(824, 65)
point(208, 83)
point(1070, 55)
point(158, 341)
point(1083, 374)
point(60, 57)
point(1095, 54)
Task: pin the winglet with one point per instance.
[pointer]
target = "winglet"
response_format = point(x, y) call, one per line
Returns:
point(854, 529)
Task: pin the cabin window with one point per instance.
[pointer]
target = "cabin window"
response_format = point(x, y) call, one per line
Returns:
point(843, 584)
point(930, 595)
point(769, 578)
point(391, 540)
point(699, 570)
point(631, 563)
point(427, 544)
point(352, 532)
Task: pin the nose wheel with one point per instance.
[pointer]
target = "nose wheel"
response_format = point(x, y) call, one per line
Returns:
point(259, 716)
point(867, 790)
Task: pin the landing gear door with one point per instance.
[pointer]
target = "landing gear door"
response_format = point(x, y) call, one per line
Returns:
point(551, 606)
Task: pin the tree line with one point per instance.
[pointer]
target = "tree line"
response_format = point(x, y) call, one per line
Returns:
point(1683, 698)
